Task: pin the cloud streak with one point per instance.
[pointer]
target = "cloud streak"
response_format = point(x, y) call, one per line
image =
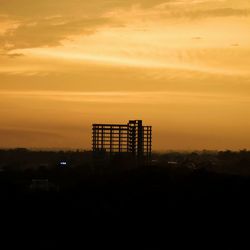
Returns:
point(22, 27)
point(121, 97)
point(49, 32)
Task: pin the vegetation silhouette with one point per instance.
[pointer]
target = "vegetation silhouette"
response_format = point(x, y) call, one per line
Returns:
point(119, 203)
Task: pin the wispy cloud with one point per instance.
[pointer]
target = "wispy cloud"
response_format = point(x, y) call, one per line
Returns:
point(159, 97)
point(48, 32)
point(23, 28)
point(217, 12)
point(30, 131)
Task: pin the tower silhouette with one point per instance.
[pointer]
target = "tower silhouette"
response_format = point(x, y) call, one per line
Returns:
point(132, 138)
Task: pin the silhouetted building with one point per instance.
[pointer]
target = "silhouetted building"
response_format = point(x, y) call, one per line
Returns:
point(132, 139)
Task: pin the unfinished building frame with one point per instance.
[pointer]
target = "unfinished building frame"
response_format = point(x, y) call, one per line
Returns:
point(132, 138)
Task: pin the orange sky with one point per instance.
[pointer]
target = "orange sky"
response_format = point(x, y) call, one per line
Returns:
point(181, 66)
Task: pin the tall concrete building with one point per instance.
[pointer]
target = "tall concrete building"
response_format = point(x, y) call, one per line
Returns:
point(132, 139)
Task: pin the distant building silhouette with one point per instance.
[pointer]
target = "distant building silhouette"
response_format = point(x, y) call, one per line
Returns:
point(132, 139)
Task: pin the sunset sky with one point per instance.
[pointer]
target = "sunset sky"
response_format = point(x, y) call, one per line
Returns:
point(182, 66)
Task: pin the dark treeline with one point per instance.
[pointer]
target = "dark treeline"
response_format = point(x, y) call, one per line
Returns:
point(181, 197)
point(231, 162)
point(21, 158)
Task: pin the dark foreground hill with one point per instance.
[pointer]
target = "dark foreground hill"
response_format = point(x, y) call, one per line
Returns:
point(151, 207)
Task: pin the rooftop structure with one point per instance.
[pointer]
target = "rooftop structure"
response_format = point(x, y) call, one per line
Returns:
point(132, 138)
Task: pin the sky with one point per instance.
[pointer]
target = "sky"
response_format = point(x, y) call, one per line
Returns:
point(181, 66)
